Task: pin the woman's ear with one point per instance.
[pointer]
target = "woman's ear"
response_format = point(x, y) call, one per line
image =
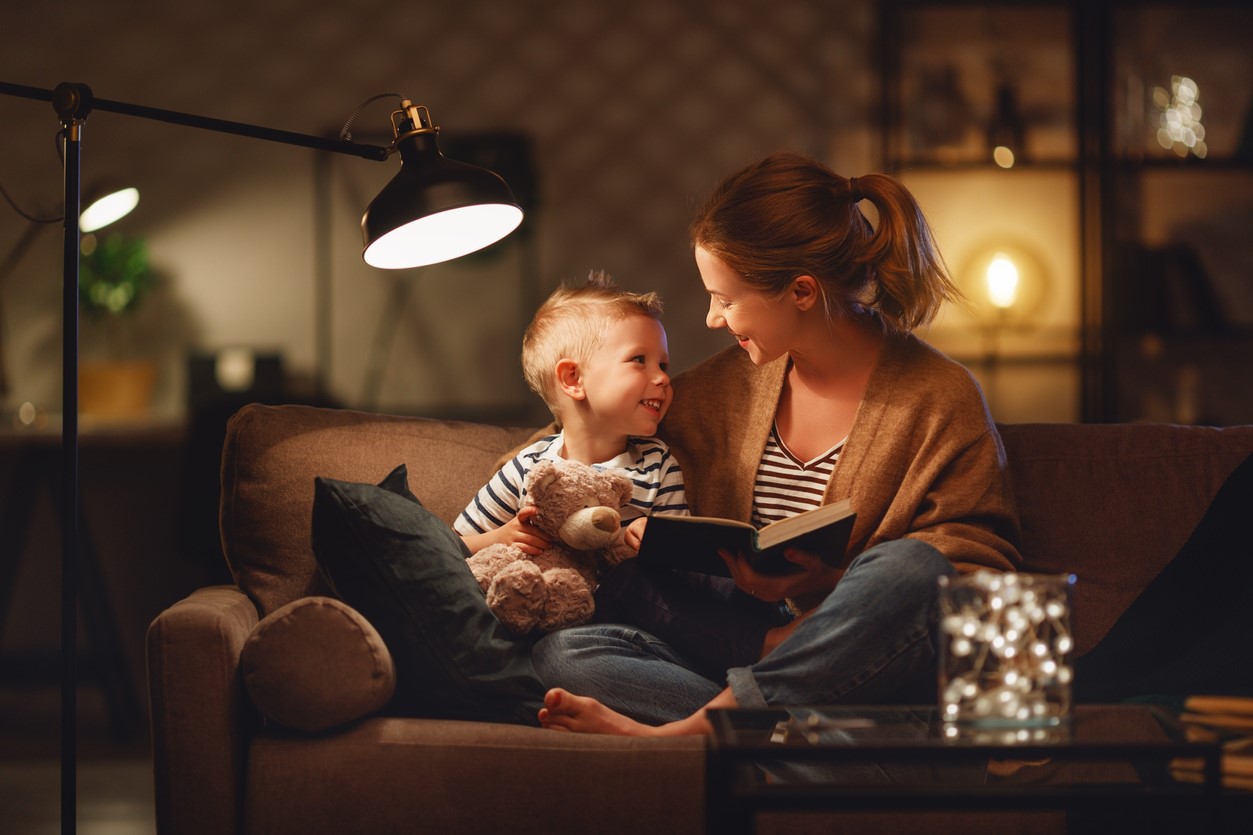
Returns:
point(805, 292)
point(569, 378)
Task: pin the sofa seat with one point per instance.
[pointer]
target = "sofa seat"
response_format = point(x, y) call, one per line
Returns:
point(426, 775)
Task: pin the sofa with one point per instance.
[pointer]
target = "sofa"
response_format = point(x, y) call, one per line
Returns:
point(307, 741)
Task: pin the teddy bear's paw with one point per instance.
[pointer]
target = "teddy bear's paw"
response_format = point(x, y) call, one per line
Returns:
point(569, 601)
point(490, 561)
point(617, 553)
point(516, 596)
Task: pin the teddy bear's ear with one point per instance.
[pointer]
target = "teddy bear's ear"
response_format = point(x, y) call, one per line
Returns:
point(541, 476)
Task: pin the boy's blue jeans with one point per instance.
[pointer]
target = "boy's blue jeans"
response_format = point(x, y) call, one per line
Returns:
point(871, 641)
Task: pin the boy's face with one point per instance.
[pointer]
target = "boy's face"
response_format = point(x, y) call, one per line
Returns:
point(626, 384)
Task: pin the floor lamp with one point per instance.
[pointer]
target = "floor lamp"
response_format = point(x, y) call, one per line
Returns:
point(433, 210)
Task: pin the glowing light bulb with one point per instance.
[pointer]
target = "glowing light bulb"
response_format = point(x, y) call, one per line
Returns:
point(1002, 279)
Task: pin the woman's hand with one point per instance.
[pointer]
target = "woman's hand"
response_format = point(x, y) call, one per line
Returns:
point(815, 576)
point(517, 531)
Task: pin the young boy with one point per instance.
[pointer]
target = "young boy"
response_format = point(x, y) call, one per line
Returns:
point(597, 355)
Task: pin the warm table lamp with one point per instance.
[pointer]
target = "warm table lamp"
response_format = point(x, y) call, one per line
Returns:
point(433, 210)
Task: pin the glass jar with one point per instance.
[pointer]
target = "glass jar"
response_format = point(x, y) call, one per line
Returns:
point(1005, 648)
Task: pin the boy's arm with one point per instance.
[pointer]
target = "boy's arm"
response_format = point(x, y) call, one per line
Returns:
point(671, 493)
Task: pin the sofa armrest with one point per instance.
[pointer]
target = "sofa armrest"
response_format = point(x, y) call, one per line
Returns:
point(201, 720)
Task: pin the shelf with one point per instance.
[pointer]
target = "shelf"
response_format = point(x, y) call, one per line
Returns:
point(1127, 228)
point(904, 166)
point(1188, 164)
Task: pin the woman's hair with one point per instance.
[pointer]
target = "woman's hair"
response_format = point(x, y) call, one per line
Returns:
point(789, 215)
point(571, 324)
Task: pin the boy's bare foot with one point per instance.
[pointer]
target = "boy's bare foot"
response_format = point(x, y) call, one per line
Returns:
point(565, 711)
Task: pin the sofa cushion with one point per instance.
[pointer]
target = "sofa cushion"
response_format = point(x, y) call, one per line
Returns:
point(1188, 631)
point(405, 570)
point(1113, 504)
point(438, 776)
point(272, 453)
point(316, 664)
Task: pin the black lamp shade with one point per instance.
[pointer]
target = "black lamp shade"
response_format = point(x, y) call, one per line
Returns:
point(435, 209)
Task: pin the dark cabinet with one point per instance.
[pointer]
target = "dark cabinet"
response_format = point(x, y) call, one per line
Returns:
point(1176, 189)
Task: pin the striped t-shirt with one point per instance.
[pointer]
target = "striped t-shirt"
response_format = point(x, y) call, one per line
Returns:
point(785, 485)
point(655, 475)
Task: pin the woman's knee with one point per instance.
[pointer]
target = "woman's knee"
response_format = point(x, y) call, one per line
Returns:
point(904, 571)
point(903, 558)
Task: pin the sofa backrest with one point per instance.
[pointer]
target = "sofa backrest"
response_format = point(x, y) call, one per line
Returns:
point(272, 454)
point(1113, 504)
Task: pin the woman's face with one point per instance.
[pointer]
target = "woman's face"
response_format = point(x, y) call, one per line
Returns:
point(762, 325)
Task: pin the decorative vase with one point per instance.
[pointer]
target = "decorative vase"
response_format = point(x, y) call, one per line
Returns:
point(116, 389)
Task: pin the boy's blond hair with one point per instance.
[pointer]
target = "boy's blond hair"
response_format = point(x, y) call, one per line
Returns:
point(571, 325)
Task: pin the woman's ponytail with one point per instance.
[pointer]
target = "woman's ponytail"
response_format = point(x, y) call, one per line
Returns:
point(910, 279)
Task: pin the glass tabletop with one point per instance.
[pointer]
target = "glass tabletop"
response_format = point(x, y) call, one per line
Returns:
point(908, 753)
point(1116, 729)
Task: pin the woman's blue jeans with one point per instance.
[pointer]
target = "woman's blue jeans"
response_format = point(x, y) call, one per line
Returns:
point(871, 641)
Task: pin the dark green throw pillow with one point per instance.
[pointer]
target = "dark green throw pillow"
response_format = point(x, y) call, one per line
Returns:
point(405, 570)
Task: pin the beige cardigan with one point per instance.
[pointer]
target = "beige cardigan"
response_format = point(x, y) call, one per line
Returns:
point(923, 460)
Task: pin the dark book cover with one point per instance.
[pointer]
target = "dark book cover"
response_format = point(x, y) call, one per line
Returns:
point(691, 543)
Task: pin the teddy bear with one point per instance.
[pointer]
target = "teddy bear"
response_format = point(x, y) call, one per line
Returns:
point(577, 508)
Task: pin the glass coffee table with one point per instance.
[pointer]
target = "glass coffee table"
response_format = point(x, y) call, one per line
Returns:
point(907, 759)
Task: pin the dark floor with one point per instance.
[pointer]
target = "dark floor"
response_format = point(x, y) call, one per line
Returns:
point(114, 776)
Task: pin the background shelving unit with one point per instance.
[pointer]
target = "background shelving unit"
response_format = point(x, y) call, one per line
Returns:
point(1146, 252)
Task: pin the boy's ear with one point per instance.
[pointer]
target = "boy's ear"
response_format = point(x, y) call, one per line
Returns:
point(569, 378)
point(805, 291)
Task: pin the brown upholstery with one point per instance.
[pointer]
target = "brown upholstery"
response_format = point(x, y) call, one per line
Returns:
point(317, 663)
point(1111, 504)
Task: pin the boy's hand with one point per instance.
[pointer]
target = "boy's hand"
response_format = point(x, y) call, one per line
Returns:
point(634, 533)
point(517, 531)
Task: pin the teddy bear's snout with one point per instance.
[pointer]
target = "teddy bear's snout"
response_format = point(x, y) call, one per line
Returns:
point(605, 519)
point(591, 527)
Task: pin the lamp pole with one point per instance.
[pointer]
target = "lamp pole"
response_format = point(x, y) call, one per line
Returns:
point(72, 110)
point(414, 217)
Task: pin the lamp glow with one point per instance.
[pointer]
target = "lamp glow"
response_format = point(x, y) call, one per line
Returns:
point(1002, 279)
point(443, 236)
point(107, 209)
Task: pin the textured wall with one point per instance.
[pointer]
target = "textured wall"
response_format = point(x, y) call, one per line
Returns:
point(634, 110)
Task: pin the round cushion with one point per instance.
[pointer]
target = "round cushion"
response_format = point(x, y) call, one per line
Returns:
point(316, 663)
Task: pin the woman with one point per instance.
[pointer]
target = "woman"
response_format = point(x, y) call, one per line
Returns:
point(827, 395)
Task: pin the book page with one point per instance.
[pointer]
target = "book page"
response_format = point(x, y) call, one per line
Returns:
point(794, 526)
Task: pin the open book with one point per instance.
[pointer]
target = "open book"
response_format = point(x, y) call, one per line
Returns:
point(691, 543)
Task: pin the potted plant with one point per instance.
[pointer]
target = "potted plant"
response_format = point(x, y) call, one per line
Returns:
point(117, 379)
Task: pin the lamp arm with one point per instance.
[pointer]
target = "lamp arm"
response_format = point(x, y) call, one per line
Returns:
point(84, 102)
